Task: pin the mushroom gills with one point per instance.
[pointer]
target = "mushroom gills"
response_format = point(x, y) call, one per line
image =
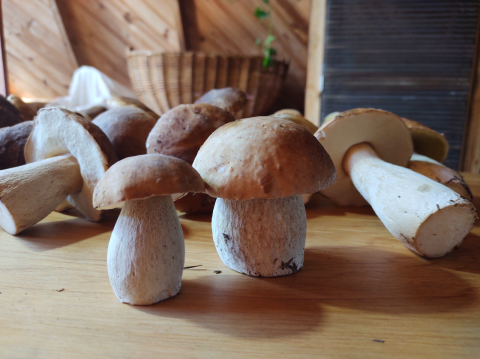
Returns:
point(30, 192)
point(261, 237)
point(146, 252)
point(426, 216)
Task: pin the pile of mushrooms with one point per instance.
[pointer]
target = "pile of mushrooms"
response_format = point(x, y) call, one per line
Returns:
point(370, 149)
point(66, 156)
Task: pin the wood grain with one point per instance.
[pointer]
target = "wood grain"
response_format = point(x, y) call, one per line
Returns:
point(360, 294)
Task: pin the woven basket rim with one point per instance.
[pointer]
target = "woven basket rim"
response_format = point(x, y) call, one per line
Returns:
point(144, 52)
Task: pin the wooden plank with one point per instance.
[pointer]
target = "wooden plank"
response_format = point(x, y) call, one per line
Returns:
point(360, 294)
point(3, 59)
point(471, 138)
point(316, 52)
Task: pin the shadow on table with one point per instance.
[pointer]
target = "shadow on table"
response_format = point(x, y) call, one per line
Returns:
point(50, 235)
point(374, 280)
point(241, 306)
point(198, 217)
point(464, 259)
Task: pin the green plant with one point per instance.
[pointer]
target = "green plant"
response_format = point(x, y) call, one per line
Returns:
point(264, 15)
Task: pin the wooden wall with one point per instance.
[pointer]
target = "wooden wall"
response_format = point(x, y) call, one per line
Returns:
point(40, 62)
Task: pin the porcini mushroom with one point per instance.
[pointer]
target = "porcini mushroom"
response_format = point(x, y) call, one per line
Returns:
point(258, 168)
point(28, 112)
point(370, 149)
point(180, 132)
point(12, 144)
point(127, 128)
point(81, 154)
point(146, 252)
point(230, 99)
point(9, 114)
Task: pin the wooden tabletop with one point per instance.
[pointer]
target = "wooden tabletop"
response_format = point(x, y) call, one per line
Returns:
point(360, 294)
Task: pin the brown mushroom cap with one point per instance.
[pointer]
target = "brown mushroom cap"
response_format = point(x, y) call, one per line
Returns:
point(384, 131)
point(127, 128)
point(12, 144)
point(145, 176)
point(181, 131)
point(9, 114)
point(263, 157)
point(57, 132)
point(427, 142)
point(230, 99)
point(296, 116)
point(114, 102)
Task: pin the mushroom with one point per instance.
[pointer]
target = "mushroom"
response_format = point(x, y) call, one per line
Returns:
point(114, 102)
point(66, 156)
point(12, 144)
point(91, 113)
point(230, 99)
point(257, 168)
point(180, 132)
point(9, 114)
point(146, 252)
point(127, 128)
point(440, 173)
point(370, 149)
point(426, 141)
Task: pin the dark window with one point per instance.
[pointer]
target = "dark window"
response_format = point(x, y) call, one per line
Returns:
point(413, 58)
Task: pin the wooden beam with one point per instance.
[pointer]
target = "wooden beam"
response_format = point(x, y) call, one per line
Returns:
point(316, 51)
point(470, 161)
point(61, 27)
point(3, 59)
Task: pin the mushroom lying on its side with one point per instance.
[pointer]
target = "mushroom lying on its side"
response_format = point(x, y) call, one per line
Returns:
point(258, 168)
point(146, 252)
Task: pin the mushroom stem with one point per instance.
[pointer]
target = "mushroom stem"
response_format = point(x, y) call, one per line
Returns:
point(427, 217)
point(30, 192)
point(146, 252)
point(261, 237)
point(440, 173)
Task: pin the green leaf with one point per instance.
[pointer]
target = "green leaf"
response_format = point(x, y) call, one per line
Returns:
point(269, 39)
point(267, 62)
point(257, 42)
point(260, 14)
point(266, 1)
point(273, 52)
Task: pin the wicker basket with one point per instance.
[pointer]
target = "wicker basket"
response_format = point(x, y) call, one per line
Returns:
point(165, 80)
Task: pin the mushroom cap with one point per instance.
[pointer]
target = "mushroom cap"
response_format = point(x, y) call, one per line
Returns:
point(230, 99)
point(127, 128)
point(120, 101)
point(28, 113)
point(384, 131)
point(263, 157)
point(12, 144)
point(182, 130)
point(145, 176)
point(57, 132)
point(427, 142)
point(296, 116)
point(9, 114)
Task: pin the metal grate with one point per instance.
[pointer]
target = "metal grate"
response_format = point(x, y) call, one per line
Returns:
point(410, 57)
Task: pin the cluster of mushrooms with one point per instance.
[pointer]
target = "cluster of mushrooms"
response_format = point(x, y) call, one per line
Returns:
point(255, 174)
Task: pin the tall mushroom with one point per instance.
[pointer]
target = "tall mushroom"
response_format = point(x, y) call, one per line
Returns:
point(180, 132)
point(66, 156)
point(258, 168)
point(146, 252)
point(370, 149)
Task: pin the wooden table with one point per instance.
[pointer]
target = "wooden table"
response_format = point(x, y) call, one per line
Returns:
point(360, 294)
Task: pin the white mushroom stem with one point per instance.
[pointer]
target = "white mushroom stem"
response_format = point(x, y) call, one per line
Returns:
point(261, 237)
point(440, 173)
point(30, 192)
point(146, 252)
point(427, 217)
